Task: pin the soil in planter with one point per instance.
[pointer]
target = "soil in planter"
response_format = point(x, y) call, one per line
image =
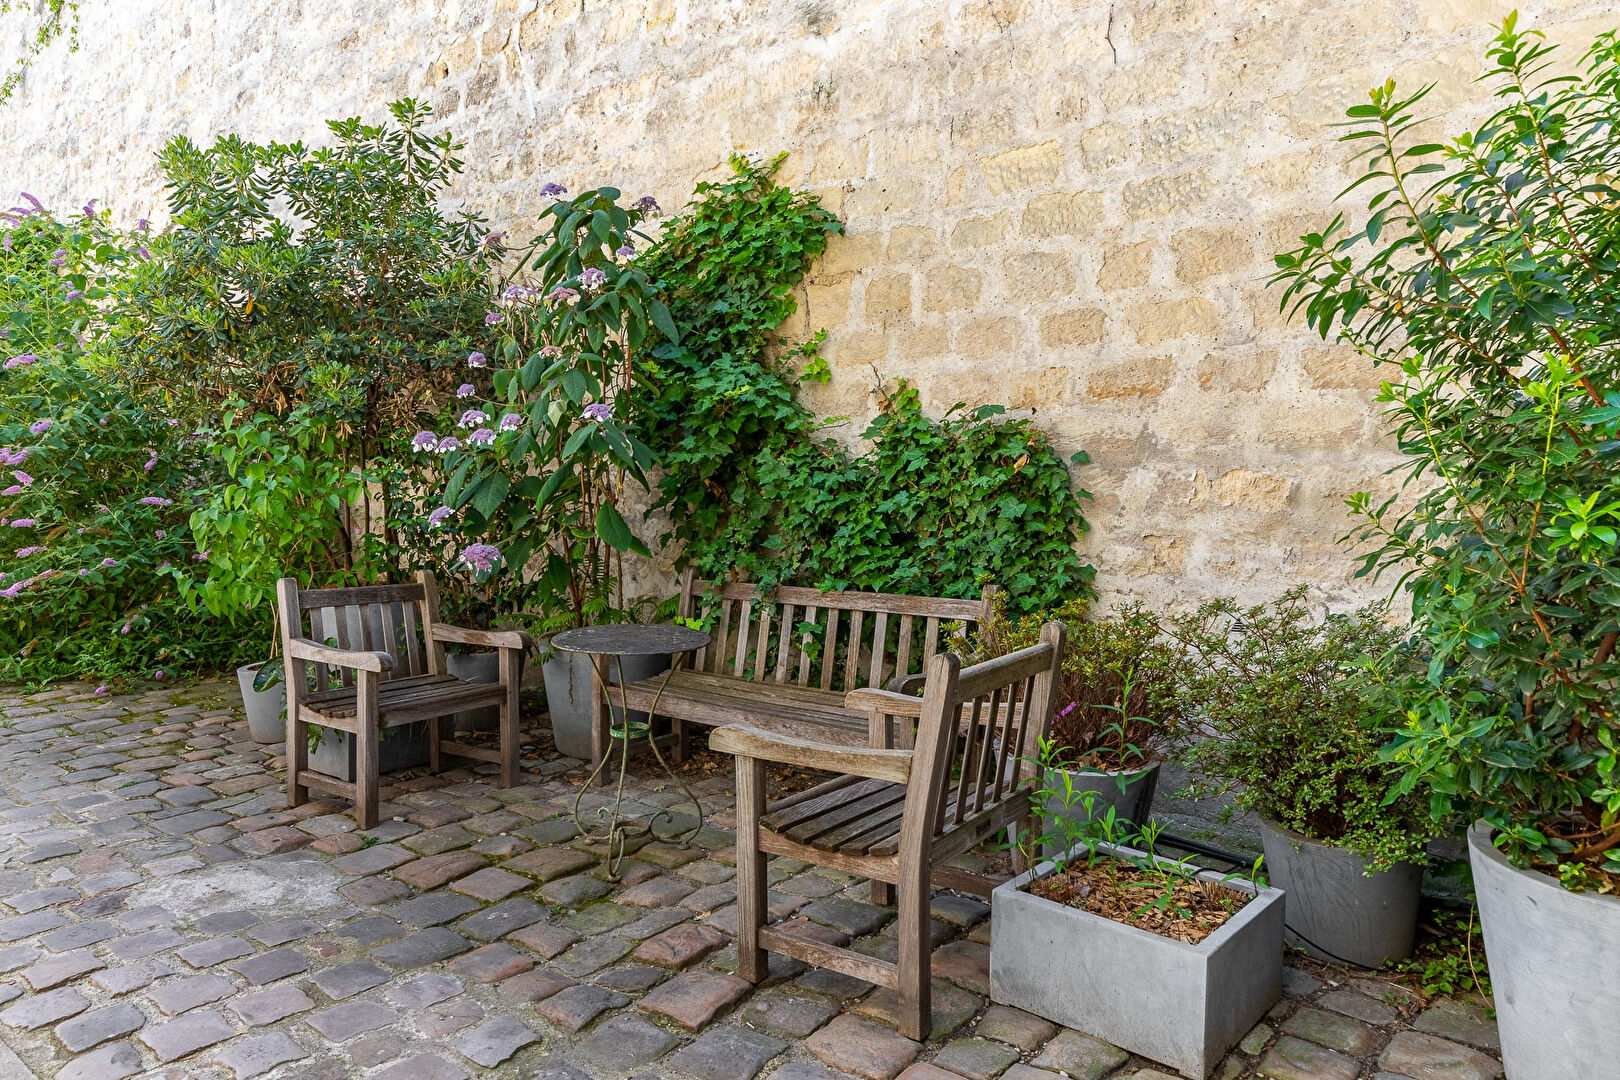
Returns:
point(1193, 911)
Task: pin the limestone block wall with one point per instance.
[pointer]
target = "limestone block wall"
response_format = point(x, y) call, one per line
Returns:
point(1067, 206)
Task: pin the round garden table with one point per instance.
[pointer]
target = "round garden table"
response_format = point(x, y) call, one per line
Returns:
point(611, 644)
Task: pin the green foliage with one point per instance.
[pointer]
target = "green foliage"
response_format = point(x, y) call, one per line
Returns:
point(98, 481)
point(1449, 957)
point(56, 17)
point(1288, 726)
point(751, 482)
point(1486, 277)
point(1118, 703)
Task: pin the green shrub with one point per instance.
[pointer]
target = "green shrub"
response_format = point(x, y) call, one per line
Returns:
point(1486, 279)
point(1284, 720)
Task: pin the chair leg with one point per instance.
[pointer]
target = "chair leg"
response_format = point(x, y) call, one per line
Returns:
point(510, 710)
point(882, 893)
point(752, 963)
point(435, 732)
point(683, 742)
point(915, 941)
point(297, 755)
point(367, 770)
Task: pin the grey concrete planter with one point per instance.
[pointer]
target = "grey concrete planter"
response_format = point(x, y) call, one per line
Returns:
point(1336, 911)
point(402, 747)
point(1181, 1005)
point(1554, 957)
point(479, 667)
point(266, 709)
point(568, 688)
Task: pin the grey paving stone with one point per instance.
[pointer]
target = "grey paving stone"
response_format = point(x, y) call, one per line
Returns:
point(190, 1033)
point(225, 922)
point(341, 1023)
point(1080, 1056)
point(851, 917)
point(421, 1067)
point(253, 1055)
point(37, 1010)
point(79, 935)
point(34, 900)
point(591, 954)
point(18, 956)
point(782, 1011)
point(349, 979)
point(56, 970)
point(493, 1041)
point(726, 1053)
point(630, 978)
point(1295, 1059)
point(574, 891)
point(372, 930)
point(99, 1025)
point(205, 954)
point(423, 990)
point(281, 931)
point(145, 944)
point(423, 947)
point(432, 909)
point(372, 860)
point(268, 1006)
point(1425, 1057)
point(270, 966)
point(17, 927)
point(1359, 1006)
point(570, 1009)
point(1333, 1031)
point(501, 919)
point(121, 980)
point(1459, 1019)
point(108, 1063)
point(976, 1059)
point(623, 1043)
point(175, 996)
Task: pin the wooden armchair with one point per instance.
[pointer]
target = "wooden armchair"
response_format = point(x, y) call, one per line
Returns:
point(895, 815)
point(387, 669)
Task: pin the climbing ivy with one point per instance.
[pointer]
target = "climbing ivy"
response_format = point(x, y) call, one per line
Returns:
point(751, 481)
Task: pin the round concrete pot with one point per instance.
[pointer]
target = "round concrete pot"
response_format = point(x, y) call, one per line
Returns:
point(1336, 911)
point(568, 695)
point(1553, 956)
point(1129, 792)
point(479, 667)
point(266, 709)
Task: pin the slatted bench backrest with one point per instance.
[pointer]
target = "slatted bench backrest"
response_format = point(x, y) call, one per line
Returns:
point(388, 618)
point(822, 640)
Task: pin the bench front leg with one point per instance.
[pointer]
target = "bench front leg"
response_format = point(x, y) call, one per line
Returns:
point(367, 760)
point(510, 716)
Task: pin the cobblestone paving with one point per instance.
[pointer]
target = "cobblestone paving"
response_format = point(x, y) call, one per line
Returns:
point(162, 914)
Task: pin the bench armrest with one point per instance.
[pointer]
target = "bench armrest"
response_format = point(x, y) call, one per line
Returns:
point(357, 659)
point(746, 742)
point(493, 639)
point(869, 700)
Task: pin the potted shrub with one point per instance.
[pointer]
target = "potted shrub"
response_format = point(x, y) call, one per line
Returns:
point(1117, 709)
point(1485, 277)
point(1285, 723)
point(1151, 954)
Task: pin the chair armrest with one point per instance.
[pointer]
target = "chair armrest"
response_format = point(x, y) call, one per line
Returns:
point(493, 639)
point(869, 700)
point(357, 659)
point(746, 742)
point(905, 684)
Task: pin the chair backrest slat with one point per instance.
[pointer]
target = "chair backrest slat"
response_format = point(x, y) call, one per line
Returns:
point(395, 619)
point(829, 649)
point(744, 639)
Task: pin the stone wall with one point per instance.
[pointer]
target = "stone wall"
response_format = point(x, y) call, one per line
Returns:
point(1067, 207)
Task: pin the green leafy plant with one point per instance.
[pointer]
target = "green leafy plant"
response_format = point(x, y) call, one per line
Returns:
point(1485, 278)
point(1286, 722)
point(754, 486)
point(1118, 704)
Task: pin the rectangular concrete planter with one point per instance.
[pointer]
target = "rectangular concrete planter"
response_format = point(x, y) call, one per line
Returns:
point(401, 747)
point(1181, 1005)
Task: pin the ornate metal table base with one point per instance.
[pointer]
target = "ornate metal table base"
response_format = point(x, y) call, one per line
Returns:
point(605, 643)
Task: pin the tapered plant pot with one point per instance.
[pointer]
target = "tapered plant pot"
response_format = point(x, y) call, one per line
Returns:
point(1128, 792)
point(1336, 911)
point(1554, 957)
point(402, 747)
point(1182, 1005)
point(478, 667)
point(569, 683)
point(266, 709)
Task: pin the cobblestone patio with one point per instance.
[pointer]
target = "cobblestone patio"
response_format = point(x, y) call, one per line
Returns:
point(162, 914)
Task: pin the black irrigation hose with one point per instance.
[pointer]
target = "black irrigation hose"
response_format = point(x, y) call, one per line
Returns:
point(1238, 863)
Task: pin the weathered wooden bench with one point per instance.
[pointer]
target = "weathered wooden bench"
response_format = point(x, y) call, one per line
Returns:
point(783, 662)
point(895, 816)
point(387, 669)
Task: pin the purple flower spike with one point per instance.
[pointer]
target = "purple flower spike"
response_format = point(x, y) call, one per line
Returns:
point(425, 440)
point(481, 557)
point(142, 225)
point(40, 427)
point(23, 478)
point(90, 208)
point(73, 294)
point(14, 489)
point(598, 412)
point(21, 360)
point(477, 359)
point(23, 523)
point(439, 517)
point(466, 389)
point(11, 591)
point(154, 500)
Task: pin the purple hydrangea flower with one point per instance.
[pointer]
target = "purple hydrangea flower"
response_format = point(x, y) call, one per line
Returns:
point(493, 317)
point(466, 389)
point(155, 500)
point(21, 360)
point(160, 534)
point(449, 444)
point(551, 352)
point(40, 427)
point(73, 294)
point(627, 251)
point(592, 278)
point(516, 292)
point(511, 421)
point(598, 412)
point(562, 294)
point(473, 418)
point(481, 557)
point(551, 191)
point(494, 239)
point(477, 359)
point(646, 204)
point(439, 516)
point(424, 440)
point(482, 437)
